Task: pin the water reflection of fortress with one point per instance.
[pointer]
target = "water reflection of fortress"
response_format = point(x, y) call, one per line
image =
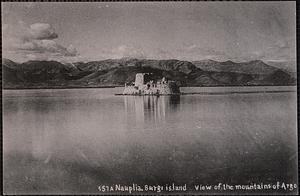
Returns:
point(152, 109)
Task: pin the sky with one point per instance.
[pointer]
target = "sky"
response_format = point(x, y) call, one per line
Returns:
point(69, 32)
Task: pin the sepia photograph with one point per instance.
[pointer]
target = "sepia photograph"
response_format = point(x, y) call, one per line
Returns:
point(149, 98)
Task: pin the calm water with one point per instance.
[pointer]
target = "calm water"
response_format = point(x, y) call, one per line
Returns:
point(73, 140)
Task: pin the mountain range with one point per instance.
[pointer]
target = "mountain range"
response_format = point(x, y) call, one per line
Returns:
point(115, 72)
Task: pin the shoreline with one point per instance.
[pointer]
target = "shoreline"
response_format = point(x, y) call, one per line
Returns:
point(82, 87)
point(215, 93)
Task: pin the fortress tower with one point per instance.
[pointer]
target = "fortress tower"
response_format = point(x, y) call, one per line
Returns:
point(139, 79)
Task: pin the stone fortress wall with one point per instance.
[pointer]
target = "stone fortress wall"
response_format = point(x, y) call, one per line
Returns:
point(141, 87)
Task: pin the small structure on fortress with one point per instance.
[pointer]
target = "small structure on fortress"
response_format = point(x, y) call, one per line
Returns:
point(142, 86)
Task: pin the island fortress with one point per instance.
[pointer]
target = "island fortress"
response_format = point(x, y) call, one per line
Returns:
point(143, 85)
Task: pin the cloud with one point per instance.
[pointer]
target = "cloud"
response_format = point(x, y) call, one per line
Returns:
point(36, 41)
point(72, 50)
point(63, 59)
point(42, 31)
point(47, 46)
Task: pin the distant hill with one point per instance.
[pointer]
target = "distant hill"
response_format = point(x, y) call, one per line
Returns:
point(287, 66)
point(257, 67)
point(115, 72)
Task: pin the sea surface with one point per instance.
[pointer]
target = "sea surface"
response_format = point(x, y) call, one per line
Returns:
point(75, 140)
